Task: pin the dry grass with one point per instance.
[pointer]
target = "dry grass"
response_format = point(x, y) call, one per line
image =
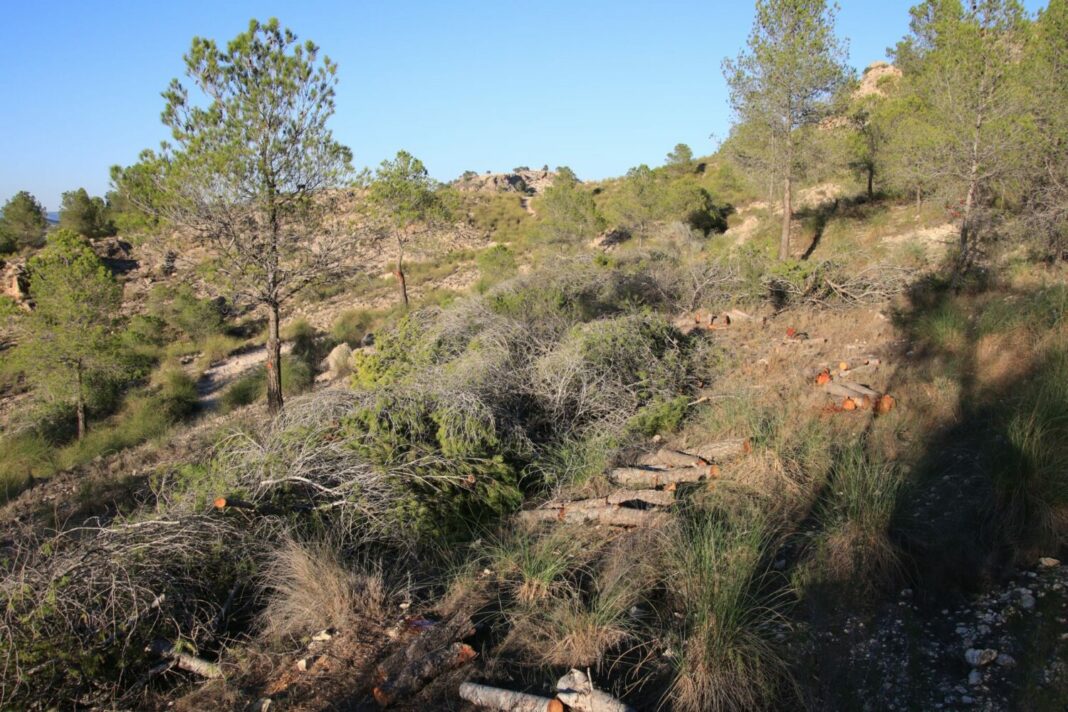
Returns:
point(727, 659)
point(310, 588)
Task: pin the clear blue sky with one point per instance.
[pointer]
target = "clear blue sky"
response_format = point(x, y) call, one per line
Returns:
point(600, 85)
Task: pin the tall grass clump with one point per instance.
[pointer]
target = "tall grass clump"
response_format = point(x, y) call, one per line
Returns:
point(310, 587)
point(1028, 462)
point(855, 519)
point(718, 580)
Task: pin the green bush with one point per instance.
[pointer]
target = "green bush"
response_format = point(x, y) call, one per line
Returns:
point(456, 472)
point(495, 265)
point(718, 578)
point(26, 456)
point(352, 325)
point(178, 395)
point(184, 312)
point(297, 377)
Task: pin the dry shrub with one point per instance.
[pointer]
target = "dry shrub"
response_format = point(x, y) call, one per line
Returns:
point(88, 601)
point(309, 588)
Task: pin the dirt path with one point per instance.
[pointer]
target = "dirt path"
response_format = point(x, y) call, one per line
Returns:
point(216, 378)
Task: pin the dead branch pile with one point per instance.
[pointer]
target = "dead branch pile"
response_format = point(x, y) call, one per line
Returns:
point(831, 286)
point(72, 601)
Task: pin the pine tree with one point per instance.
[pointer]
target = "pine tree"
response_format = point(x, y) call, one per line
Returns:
point(22, 223)
point(405, 202)
point(85, 215)
point(965, 126)
point(69, 340)
point(252, 175)
point(782, 84)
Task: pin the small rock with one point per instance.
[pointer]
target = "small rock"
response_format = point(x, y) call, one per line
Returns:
point(304, 664)
point(1027, 601)
point(323, 635)
point(975, 678)
point(1005, 660)
point(261, 705)
point(1048, 562)
point(979, 658)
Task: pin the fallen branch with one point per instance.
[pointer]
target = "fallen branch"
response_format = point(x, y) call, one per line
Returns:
point(496, 698)
point(191, 663)
point(576, 690)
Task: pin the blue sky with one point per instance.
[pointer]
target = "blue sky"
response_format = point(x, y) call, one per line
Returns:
point(597, 85)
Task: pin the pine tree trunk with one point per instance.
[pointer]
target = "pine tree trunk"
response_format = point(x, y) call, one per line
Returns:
point(871, 182)
point(402, 283)
point(80, 407)
point(787, 216)
point(274, 361)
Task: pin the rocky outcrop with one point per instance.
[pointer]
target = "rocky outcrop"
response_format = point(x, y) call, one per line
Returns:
point(874, 78)
point(14, 280)
point(525, 181)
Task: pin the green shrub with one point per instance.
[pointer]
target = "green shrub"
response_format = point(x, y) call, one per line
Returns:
point(457, 473)
point(178, 395)
point(1028, 462)
point(660, 417)
point(297, 377)
point(26, 456)
point(495, 265)
point(184, 312)
point(352, 325)
point(855, 516)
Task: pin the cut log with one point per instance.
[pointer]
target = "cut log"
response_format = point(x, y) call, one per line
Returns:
point(418, 673)
point(850, 390)
point(496, 698)
point(657, 498)
point(667, 458)
point(885, 404)
point(577, 692)
point(639, 478)
point(724, 450)
point(191, 663)
point(609, 515)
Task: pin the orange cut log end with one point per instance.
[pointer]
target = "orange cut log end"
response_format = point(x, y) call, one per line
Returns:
point(555, 706)
point(849, 404)
point(823, 379)
point(885, 404)
point(220, 502)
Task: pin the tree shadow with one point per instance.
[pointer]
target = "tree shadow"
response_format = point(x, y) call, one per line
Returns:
point(989, 489)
